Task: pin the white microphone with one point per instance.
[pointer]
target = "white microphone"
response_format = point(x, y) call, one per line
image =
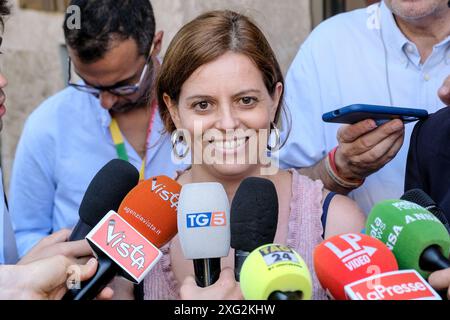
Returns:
point(204, 228)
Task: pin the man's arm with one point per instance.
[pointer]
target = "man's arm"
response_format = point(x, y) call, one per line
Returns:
point(33, 185)
point(319, 172)
point(363, 149)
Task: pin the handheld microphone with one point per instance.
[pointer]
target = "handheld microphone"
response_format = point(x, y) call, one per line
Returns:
point(275, 272)
point(422, 199)
point(417, 238)
point(346, 258)
point(127, 242)
point(254, 218)
point(151, 208)
point(204, 228)
point(104, 193)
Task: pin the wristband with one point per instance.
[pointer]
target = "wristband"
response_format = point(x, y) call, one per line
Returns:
point(332, 171)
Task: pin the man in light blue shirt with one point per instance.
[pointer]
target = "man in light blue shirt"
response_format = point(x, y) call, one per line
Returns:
point(110, 114)
point(51, 246)
point(368, 56)
point(8, 248)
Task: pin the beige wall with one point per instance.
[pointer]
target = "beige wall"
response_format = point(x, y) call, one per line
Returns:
point(33, 43)
point(355, 4)
point(32, 65)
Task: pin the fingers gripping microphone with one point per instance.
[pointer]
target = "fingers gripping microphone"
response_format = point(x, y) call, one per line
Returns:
point(346, 258)
point(127, 242)
point(275, 272)
point(105, 193)
point(417, 238)
point(422, 199)
point(204, 228)
point(254, 218)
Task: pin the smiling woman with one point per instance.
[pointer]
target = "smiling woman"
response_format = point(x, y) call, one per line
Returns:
point(221, 86)
point(188, 52)
point(230, 122)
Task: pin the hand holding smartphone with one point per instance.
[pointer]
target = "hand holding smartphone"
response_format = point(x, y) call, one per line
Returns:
point(380, 114)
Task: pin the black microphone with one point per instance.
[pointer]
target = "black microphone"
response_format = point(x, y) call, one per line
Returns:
point(419, 197)
point(105, 193)
point(126, 242)
point(253, 218)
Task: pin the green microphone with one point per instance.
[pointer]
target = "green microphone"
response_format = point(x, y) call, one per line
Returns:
point(417, 238)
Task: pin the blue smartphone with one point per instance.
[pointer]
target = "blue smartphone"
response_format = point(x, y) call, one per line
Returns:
point(380, 114)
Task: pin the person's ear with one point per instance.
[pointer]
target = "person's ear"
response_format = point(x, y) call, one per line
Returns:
point(276, 97)
point(173, 110)
point(157, 43)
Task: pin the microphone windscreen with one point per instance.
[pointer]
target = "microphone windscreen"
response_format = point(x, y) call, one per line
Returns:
point(107, 190)
point(422, 199)
point(407, 229)
point(346, 258)
point(419, 197)
point(204, 221)
point(274, 268)
point(151, 208)
point(254, 214)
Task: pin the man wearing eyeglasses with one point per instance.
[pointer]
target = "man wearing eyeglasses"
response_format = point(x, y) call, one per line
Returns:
point(111, 113)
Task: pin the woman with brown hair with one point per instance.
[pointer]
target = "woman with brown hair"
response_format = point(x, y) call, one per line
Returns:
point(220, 88)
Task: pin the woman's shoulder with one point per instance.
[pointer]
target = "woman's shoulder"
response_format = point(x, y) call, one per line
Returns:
point(344, 216)
point(302, 183)
point(305, 193)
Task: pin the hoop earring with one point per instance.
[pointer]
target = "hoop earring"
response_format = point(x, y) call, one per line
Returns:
point(176, 139)
point(274, 129)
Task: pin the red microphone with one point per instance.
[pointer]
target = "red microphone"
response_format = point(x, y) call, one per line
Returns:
point(346, 258)
point(127, 242)
point(151, 207)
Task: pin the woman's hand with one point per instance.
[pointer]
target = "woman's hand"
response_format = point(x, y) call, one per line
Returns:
point(226, 288)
